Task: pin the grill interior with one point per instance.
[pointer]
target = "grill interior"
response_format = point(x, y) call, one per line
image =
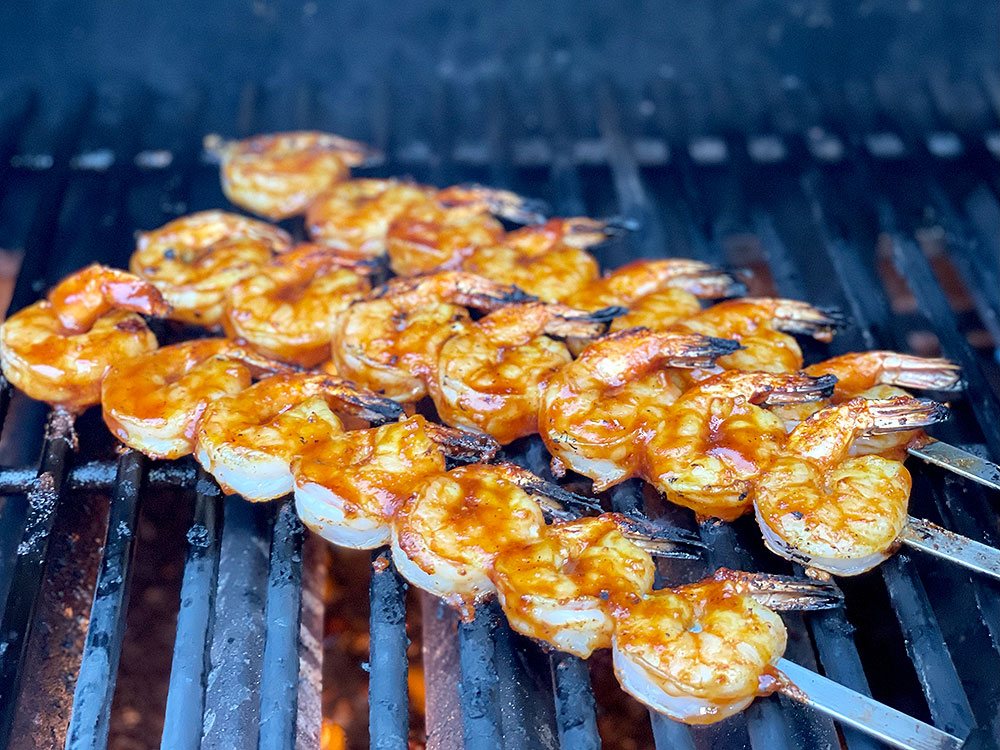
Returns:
point(836, 195)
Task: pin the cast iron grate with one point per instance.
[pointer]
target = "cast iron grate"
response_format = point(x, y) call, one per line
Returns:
point(824, 193)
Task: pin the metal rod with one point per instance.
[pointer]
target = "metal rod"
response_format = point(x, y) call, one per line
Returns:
point(963, 463)
point(182, 722)
point(388, 695)
point(861, 712)
point(576, 710)
point(100, 475)
point(935, 540)
point(279, 678)
point(95, 686)
point(478, 690)
point(44, 499)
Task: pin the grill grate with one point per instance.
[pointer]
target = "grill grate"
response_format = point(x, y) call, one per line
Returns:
point(812, 192)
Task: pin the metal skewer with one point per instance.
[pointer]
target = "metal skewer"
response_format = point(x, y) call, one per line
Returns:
point(963, 463)
point(940, 542)
point(862, 712)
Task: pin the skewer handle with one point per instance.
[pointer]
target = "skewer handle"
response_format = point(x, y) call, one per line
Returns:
point(963, 463)
point(934, 540)
point(863, 713)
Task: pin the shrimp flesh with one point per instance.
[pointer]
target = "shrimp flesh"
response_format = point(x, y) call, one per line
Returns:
point(60, 348)
point(247, 441)
point(490, 375)
point(875, 375)
point(153, 402)
point(702, 652)
point(438, 234)
point(716, 440)
point(348, 488)
point(286, 311)
point(194, 260)
point(594, 407)
point(447, 534)
point(389, 342)
point(278, 175)
point(566, 587)
point(354, 216)
point(818, 506)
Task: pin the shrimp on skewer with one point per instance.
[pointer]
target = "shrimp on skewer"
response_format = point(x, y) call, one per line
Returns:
point(843, 515)
point(491, 374)
point(153, 402)
point(448, 532)
point(702, 652)
point(439, 233)
point(593, 408)
point(247, 440)
point(762, 326)
point(565, 587)
point(353, 216)
point(715, 441)
point(60, 348)
point(878, 375)
point(348, 488)
point(287, 310)
point(390, 341)
point(195, 259)
point(547, 260)
point(278, 175)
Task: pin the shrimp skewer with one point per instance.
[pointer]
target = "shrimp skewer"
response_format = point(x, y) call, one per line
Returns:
point(195, 259)
point(491, 374)
point(594, 409)
point(59, 349)
point(390, 341)
point(287, 310)
point(819, 506)
point(247, 440)
point(280, 174)
point(702, 652)
point(348, 488)
point(716, 440)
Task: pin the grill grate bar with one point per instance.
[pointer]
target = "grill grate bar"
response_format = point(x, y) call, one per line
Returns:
point(481, 722)
point(388, 697)
point(95, 686)
point(576, 710)
point(100, 475)
point(279, 680)
point(182, 722)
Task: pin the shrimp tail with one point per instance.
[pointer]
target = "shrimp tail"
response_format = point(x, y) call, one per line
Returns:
point(715, 283)
point(567, 321)
point(903, 413)
point(463, 444)
point(922, 373)
point(555, 501)
point(796, 388)
point(696, 350)
point(793, 316)
point(659, 540)
point(502, 203)
point(618, 225)
point(784, 592)
point(361, 403)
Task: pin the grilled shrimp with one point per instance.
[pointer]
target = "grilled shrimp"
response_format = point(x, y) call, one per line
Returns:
point(448, 532)
point(490, 374)
point(702, 652)
point(286, 311)
point(195, 259)
point(60, 348)
point(278, 175)
point(762, 326)
point(716, 440)
point(354, 216)
point(348, 488)
point(439, 233)
point(247, 441)
point(390, 341)
point(546, 260)
point(875, 375)
point(566, 587)
point(593, 409)
point(819, 507)
point(153, 402)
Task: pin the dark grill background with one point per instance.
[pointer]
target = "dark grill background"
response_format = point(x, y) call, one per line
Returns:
point(869, 185)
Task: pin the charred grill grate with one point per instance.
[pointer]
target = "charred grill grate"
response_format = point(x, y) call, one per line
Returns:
point(823, 192)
